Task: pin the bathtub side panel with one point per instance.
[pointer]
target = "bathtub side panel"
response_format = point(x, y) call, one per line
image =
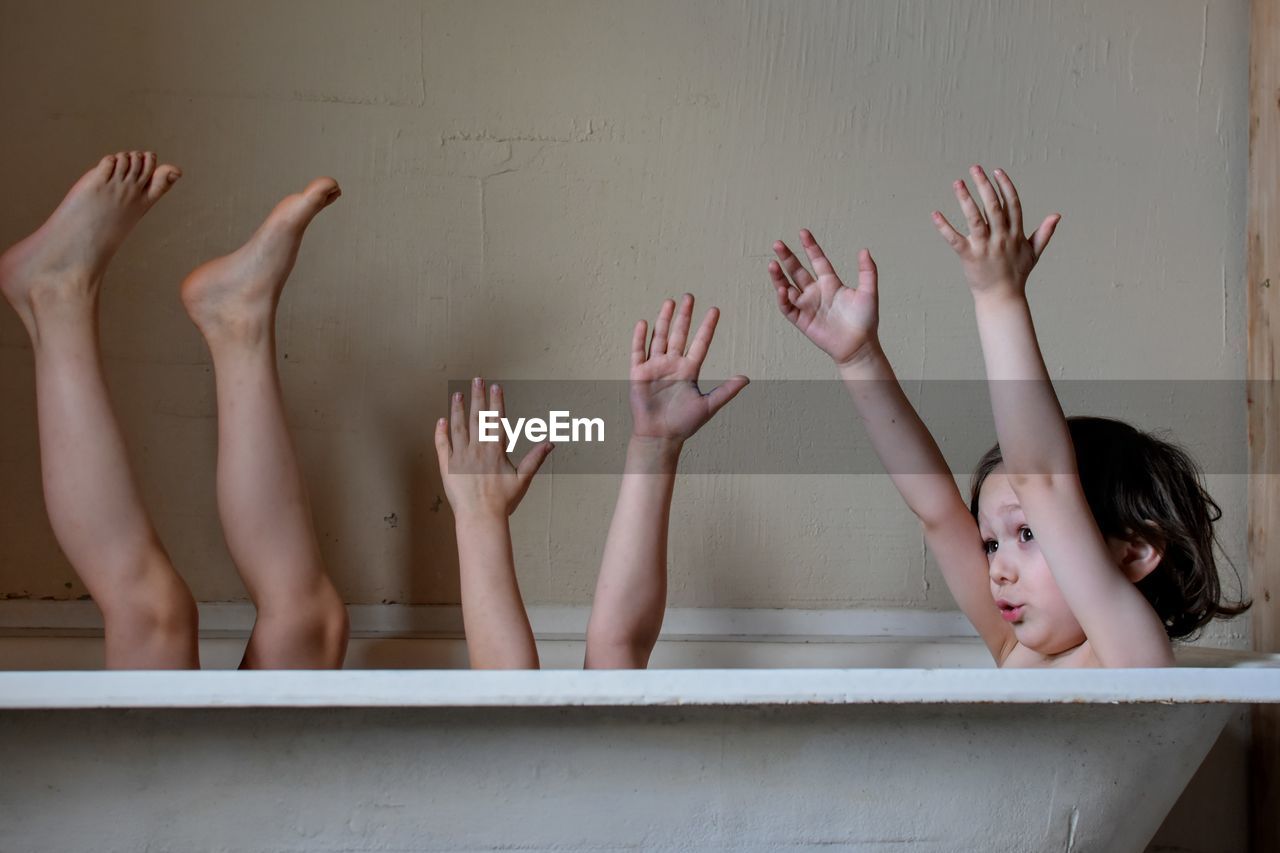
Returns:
point(920, 779)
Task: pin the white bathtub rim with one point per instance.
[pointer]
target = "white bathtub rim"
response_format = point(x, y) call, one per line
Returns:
point(646, 688)
point(222, 620)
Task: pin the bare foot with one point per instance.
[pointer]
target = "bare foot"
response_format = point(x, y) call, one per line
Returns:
point(63, 261)
point(236, 295)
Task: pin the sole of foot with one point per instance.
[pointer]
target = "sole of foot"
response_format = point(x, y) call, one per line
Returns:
point(237, 293)
point(66, 257)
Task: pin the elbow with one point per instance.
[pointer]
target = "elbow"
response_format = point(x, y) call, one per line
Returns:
point(1029, 483)
point(947, 520)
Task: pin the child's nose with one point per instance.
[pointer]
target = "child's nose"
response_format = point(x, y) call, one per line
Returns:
point(1002, 569)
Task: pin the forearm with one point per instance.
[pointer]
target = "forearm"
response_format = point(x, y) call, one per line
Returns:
point(1030, 426)
point(1039, 458)
point(922, 477)
point(900, 438)
point(631, 592)
point(497, 627)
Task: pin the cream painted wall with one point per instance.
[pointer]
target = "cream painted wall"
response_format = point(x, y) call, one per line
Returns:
point(523, 180)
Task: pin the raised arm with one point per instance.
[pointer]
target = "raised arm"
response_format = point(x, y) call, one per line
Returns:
point(666, 410)
point(1122, 628)
point(484, 488)
point(843, 322)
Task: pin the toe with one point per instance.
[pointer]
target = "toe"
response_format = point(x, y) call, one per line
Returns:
point(164, 178)
point(148, 168)
point(105, 167)
point(121, 166)
point(323, 191)
point(135, 167)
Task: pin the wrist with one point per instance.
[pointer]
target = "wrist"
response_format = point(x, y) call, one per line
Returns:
point(865, 358)
point(653, 453)
point(999, 297)
point(479, 514)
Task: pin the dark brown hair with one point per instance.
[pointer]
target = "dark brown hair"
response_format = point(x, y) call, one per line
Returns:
point(1139, 485)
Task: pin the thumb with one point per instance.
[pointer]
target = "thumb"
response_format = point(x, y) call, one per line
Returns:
point(444, 447)
point(725, 391)
point(533, 460)
point(1040, 239)
point(868, 274)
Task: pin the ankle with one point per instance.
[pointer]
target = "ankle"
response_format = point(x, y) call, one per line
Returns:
point(68, 302)
point(235, 336)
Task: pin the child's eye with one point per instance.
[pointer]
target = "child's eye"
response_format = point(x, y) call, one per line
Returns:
point(990, 546)
point(1024, 534)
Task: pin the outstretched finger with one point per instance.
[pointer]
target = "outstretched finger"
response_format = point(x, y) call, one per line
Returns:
point(725, 391)
point(972, 215)
point(533, 460)
point(457, 420)
point(443, 446)
point(637, 343)
point(1040, 239)
point(702, 338)
point(658, 346)
point(799, 275)
point(477, 403)
point(1012, 202)
point(817, 257)
point(497, 403)
point(868, 273)
point(996, 216)
point(782, 287)
point(680, 326)
point(953, 237)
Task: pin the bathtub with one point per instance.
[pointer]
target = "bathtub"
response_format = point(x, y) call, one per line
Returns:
point(866, 732)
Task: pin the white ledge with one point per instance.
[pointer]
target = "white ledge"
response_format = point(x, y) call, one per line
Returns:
point(563, 689)
point(550, 622)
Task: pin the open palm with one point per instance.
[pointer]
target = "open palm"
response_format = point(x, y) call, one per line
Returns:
point(840, 320)
point(997, 254)
point(665, 400)
point(477, 474)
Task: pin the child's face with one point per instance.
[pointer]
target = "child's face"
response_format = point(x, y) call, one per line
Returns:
point(1021, 584)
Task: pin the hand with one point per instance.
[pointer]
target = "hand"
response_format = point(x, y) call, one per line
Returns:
point(478, 476)
point(665, 401)
point(997, 257)
point(841, 320)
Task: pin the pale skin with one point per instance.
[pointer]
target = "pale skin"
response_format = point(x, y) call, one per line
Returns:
point(1043, 631)
point(484, 488)
point(667, 408)
point(52, 279)
point(843, 322)
point(1095, 576)
point(262, 498)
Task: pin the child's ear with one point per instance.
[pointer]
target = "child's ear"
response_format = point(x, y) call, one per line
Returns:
point(1136, 556)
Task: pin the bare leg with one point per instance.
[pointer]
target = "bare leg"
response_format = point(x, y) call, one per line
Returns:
point(266, 515)
point(52, 279)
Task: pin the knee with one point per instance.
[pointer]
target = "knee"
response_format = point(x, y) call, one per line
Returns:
point(153, 628)
point(332, 628)
point(614, 649)
point(155, 606)
point(311, 633)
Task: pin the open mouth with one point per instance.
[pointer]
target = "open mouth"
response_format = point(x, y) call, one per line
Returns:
point(1009, 611)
